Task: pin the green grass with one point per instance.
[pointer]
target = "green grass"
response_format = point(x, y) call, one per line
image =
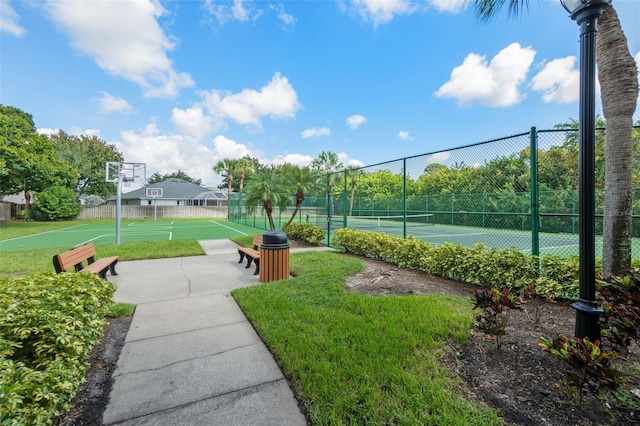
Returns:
point(121, 309)
point(25, 262)
point(244, 240)
point(359, 359)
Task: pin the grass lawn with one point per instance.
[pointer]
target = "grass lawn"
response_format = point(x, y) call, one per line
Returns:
point(361, 359)
point(350, 358)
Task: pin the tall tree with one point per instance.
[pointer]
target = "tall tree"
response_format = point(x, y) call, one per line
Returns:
point(268, 188)
point(87, 155)
point(244, 166)
point(354, 174)
point(303, 180)
point(226, 167)
point(618, 76)
point(27, 160)
point(617, 73)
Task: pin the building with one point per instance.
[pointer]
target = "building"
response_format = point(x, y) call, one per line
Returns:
point(175, 192)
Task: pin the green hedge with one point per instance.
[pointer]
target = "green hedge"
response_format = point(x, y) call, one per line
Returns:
point(305, 232)
point(493, 268)
point(48, 327)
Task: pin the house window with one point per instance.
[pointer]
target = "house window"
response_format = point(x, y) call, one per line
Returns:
point(149, 202)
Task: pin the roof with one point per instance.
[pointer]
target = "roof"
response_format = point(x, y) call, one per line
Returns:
point(177, 189)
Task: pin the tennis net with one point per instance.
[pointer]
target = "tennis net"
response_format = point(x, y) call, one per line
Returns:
point(361, 222)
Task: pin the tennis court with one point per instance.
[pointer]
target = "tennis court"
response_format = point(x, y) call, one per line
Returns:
point(421, 227)
point(130, 231)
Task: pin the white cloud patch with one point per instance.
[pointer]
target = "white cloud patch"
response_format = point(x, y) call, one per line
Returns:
point(191, 123)
point(496, 83)
point(439, 157)
point(382, 12)
point(404, 135)
point(77, 131)
point(125, 39)
point(559, 81)
point(453, 6)
point(224, 11)
point(277, 100)
point(46, 131)
point(109, 104)
point(315, 132)
point(356, 121)
point(346, 161)
point(9, 20)
point(300, 160)
point(284, 17)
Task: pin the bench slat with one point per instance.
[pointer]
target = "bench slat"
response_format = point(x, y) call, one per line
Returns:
point(74, 259)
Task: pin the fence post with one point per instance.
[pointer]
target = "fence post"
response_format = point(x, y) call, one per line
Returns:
point(328, 198)
point(404, 197)
point(535, 216)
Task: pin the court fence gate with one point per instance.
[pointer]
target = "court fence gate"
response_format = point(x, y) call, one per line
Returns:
point(519, 191)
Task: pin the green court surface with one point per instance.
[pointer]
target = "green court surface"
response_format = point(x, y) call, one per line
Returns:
point(130, 231)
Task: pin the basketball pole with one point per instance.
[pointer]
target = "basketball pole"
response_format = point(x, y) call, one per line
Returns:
point(118, 206)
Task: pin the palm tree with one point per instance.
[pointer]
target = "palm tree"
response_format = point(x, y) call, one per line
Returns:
point(354, 173)
point(226, 167)
point(304, 180)
point(244, 166)
point(326, 162)
point(267, 188)
point(617, 73)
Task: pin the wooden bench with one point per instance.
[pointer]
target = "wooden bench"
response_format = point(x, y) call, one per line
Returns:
point(75, 258)
point(252, 254)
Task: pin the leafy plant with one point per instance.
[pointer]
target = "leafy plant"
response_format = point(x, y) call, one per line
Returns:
point(592, 365)
point(305, 232)
point(493, 320)
point(56, 203)
point(620, 302)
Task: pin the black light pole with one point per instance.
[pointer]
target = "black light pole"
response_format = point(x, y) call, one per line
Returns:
point(586, 14)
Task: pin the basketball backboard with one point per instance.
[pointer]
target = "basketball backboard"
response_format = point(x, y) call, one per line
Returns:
point(154, 192)
point(127, 172)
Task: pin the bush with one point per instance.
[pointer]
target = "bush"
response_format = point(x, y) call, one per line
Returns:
point(494, 268)
point(55, 203)
point(305, 232)
point(48, 327)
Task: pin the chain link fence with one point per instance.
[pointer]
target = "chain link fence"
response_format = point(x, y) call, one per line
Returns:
point(519, 191)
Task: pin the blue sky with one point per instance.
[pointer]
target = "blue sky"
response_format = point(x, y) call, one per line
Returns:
point(183, 84)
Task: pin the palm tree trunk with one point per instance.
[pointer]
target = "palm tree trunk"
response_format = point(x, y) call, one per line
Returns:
point(268, 208)
point(229, 183)
point(617, 73)
point(299, 201)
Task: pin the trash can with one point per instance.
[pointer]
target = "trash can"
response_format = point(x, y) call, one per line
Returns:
point(274, 257)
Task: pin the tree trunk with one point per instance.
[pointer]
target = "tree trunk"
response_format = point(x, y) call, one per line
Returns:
point(617, 74)
point(299, 201)
point(268, 208)
point(229, 183)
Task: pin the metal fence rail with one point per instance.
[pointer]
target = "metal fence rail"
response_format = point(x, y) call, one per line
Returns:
point(518, 191)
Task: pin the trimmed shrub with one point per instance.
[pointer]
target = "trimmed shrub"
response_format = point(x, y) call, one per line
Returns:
point(493, 268)
point(305, 232)
point(48, 327)
point(55, 203)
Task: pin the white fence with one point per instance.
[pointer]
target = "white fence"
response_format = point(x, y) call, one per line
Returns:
point(147, 212)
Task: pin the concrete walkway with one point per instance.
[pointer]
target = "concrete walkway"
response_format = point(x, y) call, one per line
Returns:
point(191, 357)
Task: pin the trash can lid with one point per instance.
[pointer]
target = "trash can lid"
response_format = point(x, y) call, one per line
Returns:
point(274, 239)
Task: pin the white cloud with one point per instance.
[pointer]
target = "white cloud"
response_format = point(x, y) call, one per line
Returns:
point(224, 11)
point(438, 157)
point(495, 84)
point(382, 12)
point(453, 6)
point(404, 135)
point(110, 104)
point(559, 80)
point(300, 160)
point(46, 131)
point(316, 131)
point(278, 100)
point(227, 148)
point(125, 39)
point(9, 20)
point(191, 123)
point(343, 157)
point(286, 19)
point(356, 121)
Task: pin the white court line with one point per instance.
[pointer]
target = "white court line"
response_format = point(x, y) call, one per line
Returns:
point(41, 233)
point(128, 234)
point(234, 230)
point(454, 235)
